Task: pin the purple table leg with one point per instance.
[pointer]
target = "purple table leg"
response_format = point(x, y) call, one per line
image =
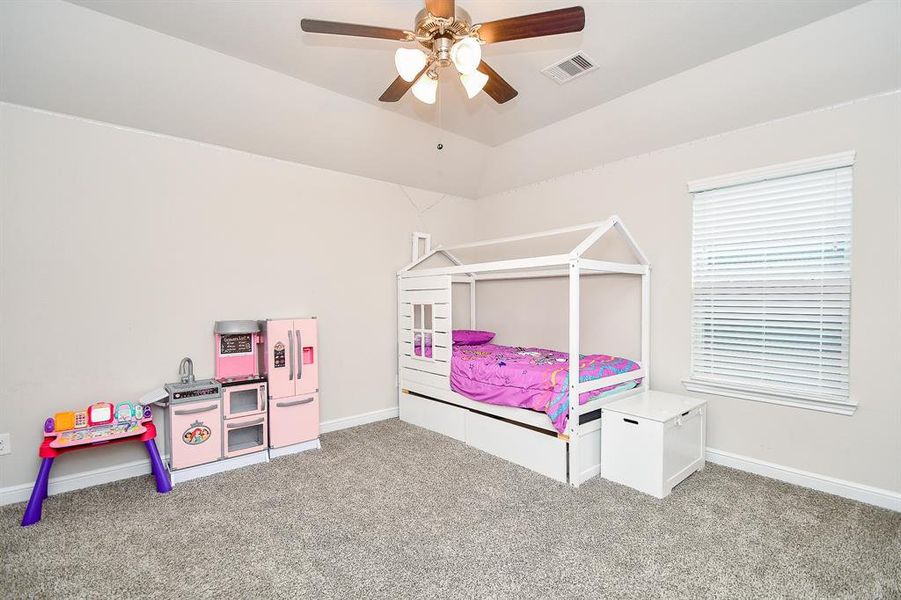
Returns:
point(38, 493)
point(163, 485)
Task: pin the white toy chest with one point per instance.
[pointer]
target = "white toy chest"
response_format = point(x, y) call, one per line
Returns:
point(652, 441)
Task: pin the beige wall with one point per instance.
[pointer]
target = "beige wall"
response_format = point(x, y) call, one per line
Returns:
point(649, 193)
point(119, 248)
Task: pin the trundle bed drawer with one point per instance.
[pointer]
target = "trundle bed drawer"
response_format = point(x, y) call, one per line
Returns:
point(543, 453)
point(440, 417)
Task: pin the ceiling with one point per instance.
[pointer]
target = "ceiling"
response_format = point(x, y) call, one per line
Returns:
point(635, 43)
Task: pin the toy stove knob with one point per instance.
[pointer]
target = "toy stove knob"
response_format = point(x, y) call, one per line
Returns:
point(49, 424)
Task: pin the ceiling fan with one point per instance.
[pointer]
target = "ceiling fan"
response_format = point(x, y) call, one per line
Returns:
point(449, 37)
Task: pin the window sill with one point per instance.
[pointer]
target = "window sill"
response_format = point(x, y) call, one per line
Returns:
point(732, 391)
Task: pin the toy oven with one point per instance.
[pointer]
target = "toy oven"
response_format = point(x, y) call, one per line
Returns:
point(245, 435)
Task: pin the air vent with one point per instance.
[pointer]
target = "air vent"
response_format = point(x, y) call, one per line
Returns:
point(569, 68)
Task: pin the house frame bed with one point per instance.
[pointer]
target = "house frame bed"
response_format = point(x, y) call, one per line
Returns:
point(520, 435)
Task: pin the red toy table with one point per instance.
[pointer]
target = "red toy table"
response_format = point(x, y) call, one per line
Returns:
point(146, 433)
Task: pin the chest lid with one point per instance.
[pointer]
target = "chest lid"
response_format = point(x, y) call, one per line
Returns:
point(654, 406)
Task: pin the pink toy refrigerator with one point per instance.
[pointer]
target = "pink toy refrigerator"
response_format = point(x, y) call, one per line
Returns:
point(291, 363)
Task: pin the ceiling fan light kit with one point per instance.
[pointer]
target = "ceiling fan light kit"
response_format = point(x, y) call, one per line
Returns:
point(473, 83)
point(409, 62)
point(466, 55)
point(426, 87)
point(449, 37)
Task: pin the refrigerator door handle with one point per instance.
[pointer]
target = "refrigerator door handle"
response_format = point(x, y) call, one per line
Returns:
point(290, 355)
point(294, 402)
point(299, 355)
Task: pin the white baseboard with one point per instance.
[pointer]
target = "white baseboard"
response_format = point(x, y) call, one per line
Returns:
point(220, 466)
point(846, 489)
point(362, 419)
point(294, 448)
point(823, 483)
point(76, 481)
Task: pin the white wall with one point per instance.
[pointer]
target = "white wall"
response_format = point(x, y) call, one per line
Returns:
point(649, 193)
point(119, 248)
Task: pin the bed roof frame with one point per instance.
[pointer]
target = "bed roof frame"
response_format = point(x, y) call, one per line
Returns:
point(573, 266)
point(553, 265)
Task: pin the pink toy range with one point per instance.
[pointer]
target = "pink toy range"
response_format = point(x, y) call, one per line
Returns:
point(99, 425)
point(245, 395)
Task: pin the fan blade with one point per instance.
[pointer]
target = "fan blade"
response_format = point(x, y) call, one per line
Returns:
point(553, 22)
point(335, 28)
point(399, 87)
point(496, 87)
point(440, 8)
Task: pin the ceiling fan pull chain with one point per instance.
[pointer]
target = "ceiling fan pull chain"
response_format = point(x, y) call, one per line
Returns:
point(440, 102)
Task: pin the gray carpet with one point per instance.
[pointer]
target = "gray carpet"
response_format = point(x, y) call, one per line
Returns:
point(389, 510)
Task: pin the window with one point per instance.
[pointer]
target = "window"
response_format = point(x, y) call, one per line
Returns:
point(771, 284)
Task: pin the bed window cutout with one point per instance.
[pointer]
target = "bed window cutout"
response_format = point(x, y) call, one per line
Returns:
point(423, 331)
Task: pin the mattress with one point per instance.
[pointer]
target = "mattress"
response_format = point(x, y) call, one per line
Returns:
point(532, 378)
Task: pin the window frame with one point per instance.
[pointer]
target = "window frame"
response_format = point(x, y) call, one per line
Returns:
point(425, 329)
point(696, 383)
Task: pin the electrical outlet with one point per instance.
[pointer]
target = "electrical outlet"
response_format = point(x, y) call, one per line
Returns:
point(5, 444)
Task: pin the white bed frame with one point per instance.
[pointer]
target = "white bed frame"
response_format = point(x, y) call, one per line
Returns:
point(522, 436)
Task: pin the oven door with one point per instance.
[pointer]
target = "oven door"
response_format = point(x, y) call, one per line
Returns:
point(243, 400)
point(245, 435)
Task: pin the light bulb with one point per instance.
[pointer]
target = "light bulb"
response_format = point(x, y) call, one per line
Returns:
point(425, 89)
point(473, 82)
point(466, 55)
point(409, 62)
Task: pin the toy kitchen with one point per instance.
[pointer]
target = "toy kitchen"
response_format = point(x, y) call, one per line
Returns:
point(262, 403)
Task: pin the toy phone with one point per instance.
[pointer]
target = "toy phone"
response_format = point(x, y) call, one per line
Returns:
point(81, 419)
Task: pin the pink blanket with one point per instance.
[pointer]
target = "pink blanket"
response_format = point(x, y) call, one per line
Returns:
point(533, 378)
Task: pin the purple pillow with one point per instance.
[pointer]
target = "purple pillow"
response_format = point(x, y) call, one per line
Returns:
point(468, 337)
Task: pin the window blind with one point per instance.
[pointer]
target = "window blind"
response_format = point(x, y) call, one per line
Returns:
point(771, 287)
